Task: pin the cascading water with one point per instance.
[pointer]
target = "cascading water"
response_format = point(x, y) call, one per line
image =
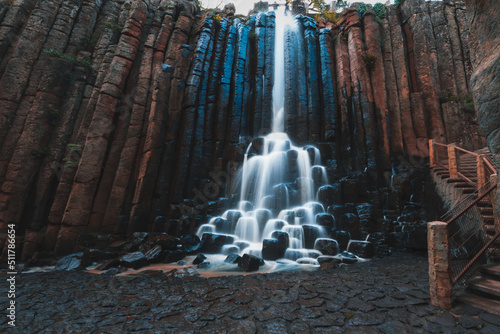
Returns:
point(277, 214)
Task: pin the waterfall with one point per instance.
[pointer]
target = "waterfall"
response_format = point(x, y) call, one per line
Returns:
point(276, 216)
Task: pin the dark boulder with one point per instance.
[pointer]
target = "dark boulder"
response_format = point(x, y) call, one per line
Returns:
point(283, 241)
point(154, 255)
point(281, 194)
point(339, 210)
point(133, 260)
point(362, 249)
point(350, 222)
point(191, 243)
point(289, 217)
point(250, 262)
point(328, 195)
point(174, 256)
point(167, 242)
point(342, 238)
point(230, 249)
point(257, 146)
point(302, 215)
point(73, 262)
point(311, 233)
point(327, 246)
point(199, 259)
point(262, 216)
point(270, 249)
point(233, 258)
point(316, 208)
point(212, 243)
point(221, 225)
point(326, 220)
point(232, 217)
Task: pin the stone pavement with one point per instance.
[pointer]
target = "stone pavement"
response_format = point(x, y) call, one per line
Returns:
point(387, 295)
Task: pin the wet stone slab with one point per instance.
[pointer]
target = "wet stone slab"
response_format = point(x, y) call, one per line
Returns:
point(387, 295)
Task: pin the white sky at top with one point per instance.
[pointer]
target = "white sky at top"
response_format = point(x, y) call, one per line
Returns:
point(244, 6)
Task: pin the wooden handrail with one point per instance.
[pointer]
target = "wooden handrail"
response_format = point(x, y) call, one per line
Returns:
point(480, 197)
point(490, 165)
point(453, 163)
point(465, 151)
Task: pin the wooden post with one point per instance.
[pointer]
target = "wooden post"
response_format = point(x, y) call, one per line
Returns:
point(440, 279)
point(481, 172)
point(452, 161)
point(432, 156)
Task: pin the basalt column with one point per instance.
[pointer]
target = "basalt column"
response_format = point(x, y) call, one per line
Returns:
point(123, 116)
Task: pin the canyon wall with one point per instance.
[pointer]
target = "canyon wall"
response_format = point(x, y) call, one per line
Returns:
point(483, 18)
point(122, 116)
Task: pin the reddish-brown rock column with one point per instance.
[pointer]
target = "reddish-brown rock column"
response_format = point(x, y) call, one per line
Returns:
point(79, 204)
point(377, 75)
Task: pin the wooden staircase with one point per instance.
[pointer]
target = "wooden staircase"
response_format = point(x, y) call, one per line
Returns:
point(482, 291)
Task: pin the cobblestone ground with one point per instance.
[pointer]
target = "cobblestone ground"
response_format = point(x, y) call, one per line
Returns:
point(388, 295)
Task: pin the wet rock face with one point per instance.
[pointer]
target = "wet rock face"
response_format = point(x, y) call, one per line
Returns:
point(115, 113)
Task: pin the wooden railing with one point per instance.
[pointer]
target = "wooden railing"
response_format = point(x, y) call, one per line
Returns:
point(458, 161)
point(458, 245)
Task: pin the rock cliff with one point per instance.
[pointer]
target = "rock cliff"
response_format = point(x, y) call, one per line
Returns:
point(116, 112)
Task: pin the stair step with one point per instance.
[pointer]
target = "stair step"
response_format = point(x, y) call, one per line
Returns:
point(486, 286)
point(489, 305)
point(488, 219)
point(486, 211)
point(490, 230)
point(484, 204)
point(454, 180)
point(492, 269)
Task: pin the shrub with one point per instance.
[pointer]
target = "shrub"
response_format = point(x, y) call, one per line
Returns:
point(75, 147)
point(465, 100)
point(468, 104)
point(370, 59)
point(398, 2)
point(77, 62)
point(217, 19)
point(320, 6)
point(379, 10)
point(70, 163)
point(361, 8)
point(87, 43)
point(330, 16)
point(444, 96)
point(113, 26)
